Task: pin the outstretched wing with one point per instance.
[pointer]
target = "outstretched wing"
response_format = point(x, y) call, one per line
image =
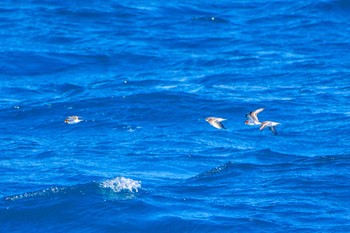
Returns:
point(249, 116)
point(263, 125)
point(273, 130)
point(217, 124)
point(254, 115)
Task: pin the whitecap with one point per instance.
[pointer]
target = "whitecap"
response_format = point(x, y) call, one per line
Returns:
point(9, 100)
point(129, 128)
point(167, 87)
point(121, 183)
point(45, 192)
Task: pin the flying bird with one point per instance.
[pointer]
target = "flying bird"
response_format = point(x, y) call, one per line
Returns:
point(271, 125)
point(72, 120)
point(216, 122)
point(253, 117)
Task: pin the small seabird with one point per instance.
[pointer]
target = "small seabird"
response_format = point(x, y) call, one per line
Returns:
point(253, 117)
point(216, 122)
point(72, 120)
point(271, 125)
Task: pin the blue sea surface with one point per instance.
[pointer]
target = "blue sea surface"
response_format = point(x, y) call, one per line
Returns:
point(143, 76)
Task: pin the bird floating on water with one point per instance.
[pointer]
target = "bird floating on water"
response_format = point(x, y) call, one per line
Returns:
point(72, 120)
point(216, 122)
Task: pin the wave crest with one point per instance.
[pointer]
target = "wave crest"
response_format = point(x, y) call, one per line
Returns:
point(45, 192)
point(119, 187)
point(121, 183)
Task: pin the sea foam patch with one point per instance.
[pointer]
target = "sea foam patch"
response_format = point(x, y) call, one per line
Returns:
point(119, 184)
point(46, 192)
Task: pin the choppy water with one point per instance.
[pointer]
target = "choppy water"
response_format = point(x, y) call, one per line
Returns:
point(143, 75)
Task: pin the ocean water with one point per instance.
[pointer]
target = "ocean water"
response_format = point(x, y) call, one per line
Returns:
point(143, 76)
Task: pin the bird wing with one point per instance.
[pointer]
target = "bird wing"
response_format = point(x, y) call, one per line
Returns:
point(217, 124)
point(273, 130)
point(73, 118)
point(263, 125)
point(249, 116)
point(220, 119)
point(254, 115)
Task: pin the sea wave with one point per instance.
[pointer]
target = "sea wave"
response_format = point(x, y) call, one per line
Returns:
point(268, 162)
point(117, 185)
point(143, 76)
point(46, 192)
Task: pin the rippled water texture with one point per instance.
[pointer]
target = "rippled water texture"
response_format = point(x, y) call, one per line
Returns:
point(143, 76)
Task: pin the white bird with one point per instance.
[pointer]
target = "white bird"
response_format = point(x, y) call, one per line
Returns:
point(253, 117)
point(216, 122)
point(72, 120)
point(271, 125)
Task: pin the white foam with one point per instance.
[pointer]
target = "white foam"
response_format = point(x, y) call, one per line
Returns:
point(167, 87)
point(121, 183)
point(129, 128)
point(45, 192)
point(9, 100)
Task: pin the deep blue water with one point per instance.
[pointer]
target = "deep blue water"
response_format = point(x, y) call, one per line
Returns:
point(143, 76)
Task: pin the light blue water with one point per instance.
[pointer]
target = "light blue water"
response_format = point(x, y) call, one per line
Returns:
point(143, 76)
